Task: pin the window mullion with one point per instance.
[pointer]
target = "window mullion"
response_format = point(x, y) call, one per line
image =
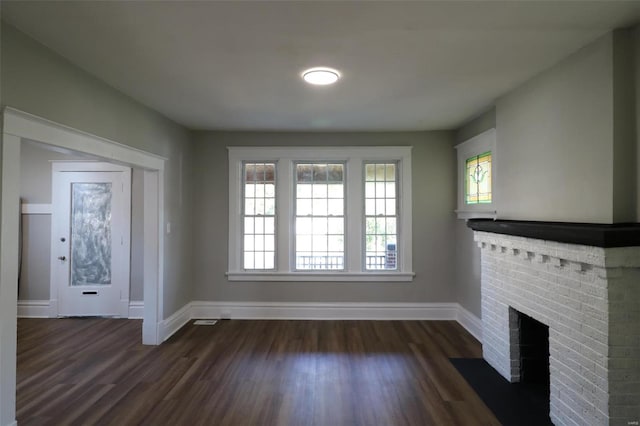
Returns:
point(284, 201)
point(354, 216)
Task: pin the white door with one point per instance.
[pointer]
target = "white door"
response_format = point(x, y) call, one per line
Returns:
point(90, 238)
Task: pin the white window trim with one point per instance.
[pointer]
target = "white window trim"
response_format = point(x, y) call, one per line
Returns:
point(354, 157)
point(479, 144)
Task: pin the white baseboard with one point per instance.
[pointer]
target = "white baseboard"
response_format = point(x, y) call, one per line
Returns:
point(34, 309)
point(470, 322)
point(288, 310)
point(44, 309)
point(323, 311)
point(175, 322)
point(136, 309)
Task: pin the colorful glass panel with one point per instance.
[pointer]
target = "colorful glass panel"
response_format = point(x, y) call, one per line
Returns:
point(478, 179)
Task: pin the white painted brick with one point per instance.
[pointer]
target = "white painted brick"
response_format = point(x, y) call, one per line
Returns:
point(589, 298)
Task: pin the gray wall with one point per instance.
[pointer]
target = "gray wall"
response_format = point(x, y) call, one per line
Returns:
point(636, 80)
point(433, 167)
point(36, 80)
point(467, 256)
point(35, 187)
point(624, 128)
point(556, 143)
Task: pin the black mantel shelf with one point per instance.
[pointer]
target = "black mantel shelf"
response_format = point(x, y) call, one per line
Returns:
point(588, 234)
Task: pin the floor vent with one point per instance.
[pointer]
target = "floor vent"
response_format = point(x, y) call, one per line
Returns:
point(205, 322)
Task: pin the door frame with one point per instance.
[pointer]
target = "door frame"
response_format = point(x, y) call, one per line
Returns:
point(62, 166)
point(19, 126)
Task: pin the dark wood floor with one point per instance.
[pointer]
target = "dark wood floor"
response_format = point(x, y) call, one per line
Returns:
point(326, 373)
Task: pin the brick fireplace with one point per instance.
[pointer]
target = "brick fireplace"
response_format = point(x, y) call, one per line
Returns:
point(583, 282)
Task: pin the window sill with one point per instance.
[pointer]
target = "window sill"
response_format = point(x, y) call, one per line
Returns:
point(322, 276)
point(466, 214)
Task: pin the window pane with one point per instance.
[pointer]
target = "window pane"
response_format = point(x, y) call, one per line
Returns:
point(303, 243)
point(270, 190)
point(269, 260)
point(249, 206)
point(319, 216)
point(248, 225)
point(259, 221)
point(370, 172)
point(390, 189)
point(380, 216)
point(335, 191)
point(269, 225)
point(478, 179)
point(303, 207)
point(248, 260)
point(304, 191)
point(319, 243)
point(319, 190)
point(320, 206)
point(320, 226)
point(335, 173)
point(336, 226)
point(303, 226)
point(305, 172)
point(270, 206)
point(370, 190)
point(370, 206)
point(259, 206)
point(391, 207)
point(259, 243)
point(269, 242)
point(259, 215)
point(319, 172)
point(336, 207)
point(390, 173)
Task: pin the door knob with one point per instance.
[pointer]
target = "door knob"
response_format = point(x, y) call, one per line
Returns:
point(63, 258)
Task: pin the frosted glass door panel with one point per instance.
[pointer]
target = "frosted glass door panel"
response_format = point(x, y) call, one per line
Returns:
point(90, 234)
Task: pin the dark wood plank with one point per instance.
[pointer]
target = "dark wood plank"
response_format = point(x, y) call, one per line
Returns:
point(95, 371)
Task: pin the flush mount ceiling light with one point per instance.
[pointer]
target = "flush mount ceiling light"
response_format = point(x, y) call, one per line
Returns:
point(321, 76)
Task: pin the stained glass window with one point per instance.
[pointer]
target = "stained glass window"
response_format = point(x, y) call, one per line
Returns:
point(259, 215)
point(478, 179)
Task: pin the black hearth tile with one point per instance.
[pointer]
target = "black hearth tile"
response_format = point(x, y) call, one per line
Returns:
point(513, 404)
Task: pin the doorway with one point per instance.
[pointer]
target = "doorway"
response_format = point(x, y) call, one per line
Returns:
point(22, 127)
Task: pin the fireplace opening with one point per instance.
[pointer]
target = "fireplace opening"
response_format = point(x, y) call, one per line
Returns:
point(534, 351)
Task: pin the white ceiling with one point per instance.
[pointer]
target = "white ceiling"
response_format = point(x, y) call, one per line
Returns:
point(236, 65)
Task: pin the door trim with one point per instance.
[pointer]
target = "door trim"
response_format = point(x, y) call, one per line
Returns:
point(86, 166)
point(19, 126)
